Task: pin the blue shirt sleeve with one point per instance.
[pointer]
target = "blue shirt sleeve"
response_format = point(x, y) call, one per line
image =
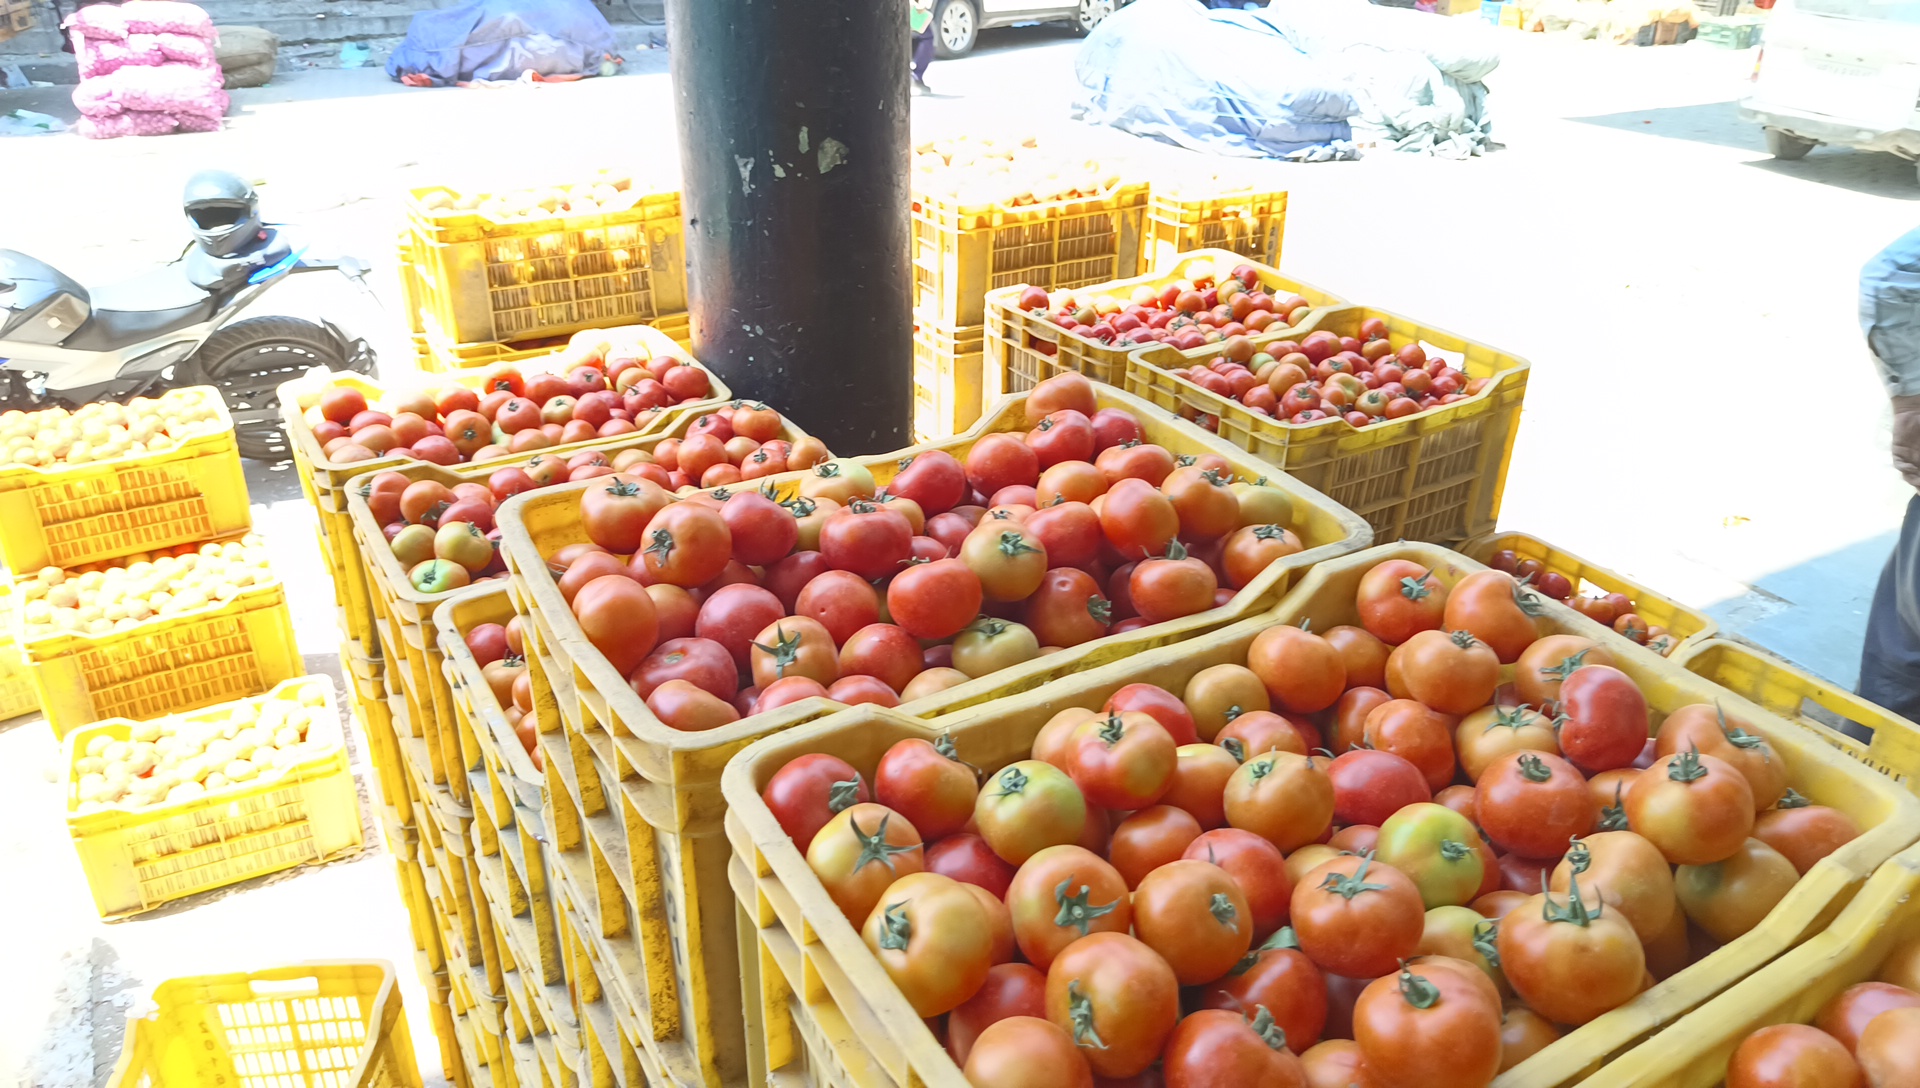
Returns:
point(1890, 313)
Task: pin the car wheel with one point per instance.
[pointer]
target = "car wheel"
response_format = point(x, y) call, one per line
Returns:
point(956, 27)
point(1787, 146)
point(1091, 13)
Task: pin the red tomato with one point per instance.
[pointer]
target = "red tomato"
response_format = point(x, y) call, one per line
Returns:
point(1568, 963)
point(1302, 671)
point(933, 938)
point(1069, 532)
point(1398, 599)
point(1436, 1024)
point(734, 615)
point(1279, 978)
point(1260, 870)
point(1605, 719)
point(1493, 607)
point(1172, 586)
point(1137, 519)
point(1068, 609)
point(1454, 673)
point(1214, 1048)
point(1697, 809)
point(1357, 918)
point(1422, 736)
point(1850, 1012)
point(867, 539)
point(840, 601)
point(934, 600)
point(1027, 1052)
point(860, 852)
point(1011, 989)
point(1792, 1055)
point(1198, 786)
point(1284, 798)
point(1001, 460)
point(1066, 435)
point(762, 531)
point(616, 615)
point(809, 791)
point(1160, 705)
point(882, 651)
point(1124, 762)
point(1060, 895)
point(700, 661)
point(1118, 999)
point(687, 545)
point(931, 478)
point(1533, 804)
point(1150, 838)
point(926, 782)
point(794, 646)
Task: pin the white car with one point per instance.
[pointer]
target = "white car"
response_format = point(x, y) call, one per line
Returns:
point(957, 23)
point(1839, 72)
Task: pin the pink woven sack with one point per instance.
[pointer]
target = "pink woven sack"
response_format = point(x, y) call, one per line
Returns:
point(101, 22)
point(167, 17)
point(104, 56)
point(184, 49)
point(144, 124)
point(177, 89)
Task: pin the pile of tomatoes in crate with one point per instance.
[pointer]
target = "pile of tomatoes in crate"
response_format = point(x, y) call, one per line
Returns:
point(1363, 379)
point(1867, 1036)
point(725, 604)
point(1185, 313)
point(612, 388)
point(1615, 610)
point(1180, 882)
point(501, 655)
point(445, 537)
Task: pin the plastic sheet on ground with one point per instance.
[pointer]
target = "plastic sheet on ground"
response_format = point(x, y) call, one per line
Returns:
point(1293, 81)
point(503, 39)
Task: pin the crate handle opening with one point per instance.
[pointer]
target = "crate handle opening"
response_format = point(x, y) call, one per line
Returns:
point(1852, 730)
point(283, 988)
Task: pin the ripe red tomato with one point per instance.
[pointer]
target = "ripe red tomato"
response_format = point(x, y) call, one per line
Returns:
point(1251, 549)
point(1533, 804)
point(867, 539)
point(1454, 673)
point(1398, 599)
point(1849, 1013)
point(1714, 732)
point(1625, 873)
point(762, 531)
point(1568, 962)
point(860, 852)
point(688, 545)
point(1117, 998)
point(734, 615)
point(1061, 894)
point(1150, 838)
point(1260, 870)
point(1889, 1049)
point(616, 615)
point(1496, 609)
point(934, 940)
point(794, 646)
point(1369, 786)
point(1008, 560)
point(931, 478)
point(1001, 460)
point(840, 601)
point(1790, 1055)
point(1548, 662)
point(1195, 915)
point(809, 791)
point(968, 859)
point(1199, 783)
point(1302, 671)
point(926, 782)
point(1696, 809)
point(1436, 1024)
point(1137, 519)
point(1123, 762)
point(934, 600)
point(1011, 989)
point(884, 652)
point(1418, 734)
point(1214, 1048)
point(1028, 806)
point(1066, 435)
point(1068, 608)
point(1605, 719)
point(1173, 586)
point(1804, 833)
point(1027, 1052)
point(1284, 798)
point(1356, 917)
point(1161, 705)
point(702, 662)
point(1207, 507)
point(1278, 977)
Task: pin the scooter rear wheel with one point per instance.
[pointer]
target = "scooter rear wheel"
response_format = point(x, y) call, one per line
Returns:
point(249, 360)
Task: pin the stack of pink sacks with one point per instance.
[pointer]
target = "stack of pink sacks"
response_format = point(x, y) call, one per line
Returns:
point(146, 69)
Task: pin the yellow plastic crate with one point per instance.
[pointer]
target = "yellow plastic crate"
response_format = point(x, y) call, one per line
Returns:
point(1687, 625)
point(439, 354)
point(634, 806)
point(403, 616)
point(137, 859)
point(612, 1051)
point(962, 251)
point(17, 695)
point(1248, 222)
point(1814, 703)
point(1437, 476)
point(71, 515)
point(1694, 1052)
point(831, 1016)
point(210, 655)
point(481, 278)
point(312, 1025)
point(1023, 350)
point(947, 392)
point(324, 481)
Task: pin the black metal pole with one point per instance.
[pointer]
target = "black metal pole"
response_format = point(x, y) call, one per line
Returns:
point(793, 124)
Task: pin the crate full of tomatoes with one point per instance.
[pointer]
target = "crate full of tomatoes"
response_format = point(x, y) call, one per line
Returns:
point(1505, 875)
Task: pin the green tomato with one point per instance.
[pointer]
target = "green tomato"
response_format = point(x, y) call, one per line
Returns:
point(1434, 846)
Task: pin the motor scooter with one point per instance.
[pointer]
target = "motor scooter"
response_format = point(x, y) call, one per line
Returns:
point(63, 344)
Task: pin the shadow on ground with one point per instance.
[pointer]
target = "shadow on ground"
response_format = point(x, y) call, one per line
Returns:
point(1872, 173)
point(1813, 614)
point(1716, 123)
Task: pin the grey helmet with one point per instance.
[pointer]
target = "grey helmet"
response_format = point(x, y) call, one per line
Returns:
point(222, 211)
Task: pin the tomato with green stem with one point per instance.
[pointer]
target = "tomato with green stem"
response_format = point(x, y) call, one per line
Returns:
point(1357, 918)
point(1257, 866)
point(1493, 731)
point(811, 790)
point(860, 853)
point(1251, 549)
point(1123, 762)
point(794, 646)
point(615, 515)
point(1434, 847)
point(1462, 933)
point(866, 539)
point(1694, 808)
point(1278, 977)
point(1009, 561)
point(1284, 798)
point(1570, 962)
point(1214, 1048)
point(989, 645)
point(1498, 610)
point(1604, 724)
point(1028, 806)
point(1541, 669)
point(1118, 1000)
point(1626, 873)
point(1068, 609)
point(933, 939)
point(1533, 804)
point(1452, 672)
point(1206, 506)
point(1804, 832)
point(1434, 1024)
point(1195, 915)
point(1398, 599)
point(1171, 586)
point(1716, 733)
point(928, 783)
point(1218, 694)
point(1730, 897)
point(687, 545)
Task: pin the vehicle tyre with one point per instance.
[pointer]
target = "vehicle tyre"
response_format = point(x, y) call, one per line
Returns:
point(956, 28)
point(1090, 15)
point(249, 360)
point(1786, 146)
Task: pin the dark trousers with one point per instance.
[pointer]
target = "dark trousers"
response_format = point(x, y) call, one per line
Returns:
point(922, 52)
point(1890, 660)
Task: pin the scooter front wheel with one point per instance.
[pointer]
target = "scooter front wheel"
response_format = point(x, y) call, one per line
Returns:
point(249, 360)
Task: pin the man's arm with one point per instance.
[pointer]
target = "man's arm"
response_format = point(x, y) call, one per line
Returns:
point(1890, 314)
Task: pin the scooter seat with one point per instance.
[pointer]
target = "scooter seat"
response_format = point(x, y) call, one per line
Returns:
point(141, 309)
